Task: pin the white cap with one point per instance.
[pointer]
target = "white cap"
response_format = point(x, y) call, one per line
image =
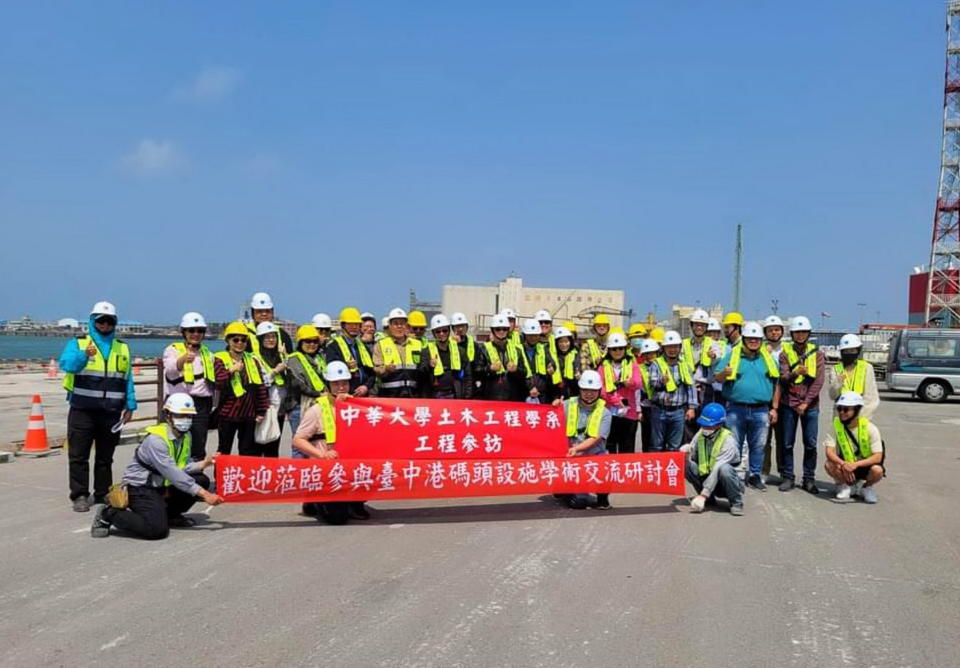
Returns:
point(590, 380)
point(384, 322)
point(699, 315)
point(649, 346)
point(500, 320)
point(800, 324)
point(366, 315)
point(180, 403)
point(104, 308)
point(850, 399)
point(752, 330)
point(192, 319)
point(396, 314)
point(509, 312)
point(713, 325)
point(261, 300)
point(336, 370)
point(772, 321)
point(848, 341)
point(672, 338)
point(531, 326)
point(322, 321)
point(267, 328)
point(439, 321)
point(543, 315)
point(561, 332)
point(616, 340)
point(458, 319)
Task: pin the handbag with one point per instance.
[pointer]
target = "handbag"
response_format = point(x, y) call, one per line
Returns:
point(118, 496)
point(268, 429)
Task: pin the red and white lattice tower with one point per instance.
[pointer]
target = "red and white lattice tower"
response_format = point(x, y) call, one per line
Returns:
point(943, 292)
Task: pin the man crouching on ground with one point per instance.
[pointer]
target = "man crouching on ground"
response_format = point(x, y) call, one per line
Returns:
point(712, 460)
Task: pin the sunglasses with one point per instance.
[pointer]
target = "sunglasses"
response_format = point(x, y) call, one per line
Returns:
point(237, 339)
point(195, 330)
point(311, 342)
point(106, 321)
point(617, 348)
point(500, 329)
point(841, 409)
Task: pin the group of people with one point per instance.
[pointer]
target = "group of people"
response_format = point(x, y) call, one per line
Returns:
point(732, 396)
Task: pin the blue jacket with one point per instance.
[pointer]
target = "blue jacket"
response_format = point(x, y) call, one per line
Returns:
point(73, 359)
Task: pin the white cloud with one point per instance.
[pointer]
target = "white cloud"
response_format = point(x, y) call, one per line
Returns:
point(152, 156)
point(213, 83)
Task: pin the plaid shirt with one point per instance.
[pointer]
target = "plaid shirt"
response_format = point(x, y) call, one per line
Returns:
point(685, 396)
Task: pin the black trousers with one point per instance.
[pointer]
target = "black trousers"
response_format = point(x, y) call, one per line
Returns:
point(243, 431)
point(151, 508)
point(646, 429)
point(84, 428)
point(623, 435)
point(200, 427)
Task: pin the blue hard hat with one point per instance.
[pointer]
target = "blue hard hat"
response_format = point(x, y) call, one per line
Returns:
point(712, 415)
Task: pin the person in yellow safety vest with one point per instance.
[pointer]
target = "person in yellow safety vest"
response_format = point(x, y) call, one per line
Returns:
point(732, 326)
point(261, 310)
point(588, 424)
point(99, 385)
point(801, 379)
point(324, 326)
point(712, 456)
point(304, 374)
point(470, 350)
point(546, 328)
point(853, 374)
point(714, 391)
point(449, 373)
point(646, 360)
point(699, 351)
point(189, 366)
point(594, 348)
point(396, 360)
point(243, 395)
point(273, 369)
point(316, 438)
point(347, 347)
point(854, 450)
point(675, 395)
point(506, 374)
point(368, 332)
point(635, 335)
point(417, 327)
point(569, 359)
point(162, 483)
point(622, 382)
point(572, 328)
point(773, 342)
point(543, 369)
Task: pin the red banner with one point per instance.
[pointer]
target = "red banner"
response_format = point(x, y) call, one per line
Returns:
point(260, 480)
point(448, 429)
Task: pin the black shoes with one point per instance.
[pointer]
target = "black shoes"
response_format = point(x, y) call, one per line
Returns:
point(181, 522)
point(786, 484)
point(810, 486)
point(81, 504)
point(603, 502)
point(358, 511)
point(756, 481)
point(100, 528)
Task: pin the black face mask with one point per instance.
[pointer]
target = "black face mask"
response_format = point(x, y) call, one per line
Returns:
point(849, 358)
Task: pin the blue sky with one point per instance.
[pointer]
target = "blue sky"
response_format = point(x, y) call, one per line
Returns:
point(180, 156)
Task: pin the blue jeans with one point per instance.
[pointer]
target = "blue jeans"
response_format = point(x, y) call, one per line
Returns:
point(293, 417)
point(809, 422)
point(749, 423)
point(667, 428)
point(728, 482)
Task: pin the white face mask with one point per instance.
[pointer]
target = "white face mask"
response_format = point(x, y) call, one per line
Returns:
point(708, 431)
point(182, 424)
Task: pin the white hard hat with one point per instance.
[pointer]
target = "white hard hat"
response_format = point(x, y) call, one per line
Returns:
point(336, 370)
point(849, 341)
point(531, 326)
point(561, 332)
point(366, 315)
point(261, 300)
point(713, 325)
point(458, 319)
point(267, 328)
point(499, 320)
point(699, 315)
point(772, 321)
point(752, 330)
point(543, 315)
point(104, 308)
point(616, 340)
point(192, 319)
point(509, 312)
point(397, 314)
point(590, 380)
point(850, 399)
point(800, 324)
point(672, 338)
point(322, 321)
point(384, 322)
point(649, 346)
point(439, 321)
point(180, 403)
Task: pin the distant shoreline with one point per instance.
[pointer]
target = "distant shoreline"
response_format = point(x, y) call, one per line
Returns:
point(70, 334)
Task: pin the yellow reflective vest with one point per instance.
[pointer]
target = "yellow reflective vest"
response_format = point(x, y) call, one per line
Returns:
point(206, 357)
point(847, 449)
point(609, 376)
point(102, 383)
point(236, 381)
point(809, 364)
point(706, 462)
point(181, 455)
point(670, 381)
point(454, 349)
point(328, 418)
point(687, 352)
point(773, 369)
point(857, 382)
point(593, 422)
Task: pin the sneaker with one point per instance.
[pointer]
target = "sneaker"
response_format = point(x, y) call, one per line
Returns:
point(786, 484)
point(857, 489)
point(100, 528)
point(869, 495)
point(737, 509)
point(756, 482)
point(810, 486)
point(843, 492)
point(81, 504)
point(358, 511)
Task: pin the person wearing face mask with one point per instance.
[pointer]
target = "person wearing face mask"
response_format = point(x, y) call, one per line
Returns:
point(853, 374)
point(773, 335)
point(449, 373)
point(801, 377)
point(162, 483)
point(569, 359)
point(621, 381)
point(99, 385)
point(505, 376)
point(675, 398)
point(712, 458)
point(588, 427)
point(854, 450)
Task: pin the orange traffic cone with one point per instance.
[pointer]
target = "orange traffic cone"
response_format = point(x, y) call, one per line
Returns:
point(52, 369)
point(136, 366)
point(35, 444)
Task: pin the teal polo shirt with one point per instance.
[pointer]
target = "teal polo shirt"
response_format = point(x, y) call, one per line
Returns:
point(752, 386)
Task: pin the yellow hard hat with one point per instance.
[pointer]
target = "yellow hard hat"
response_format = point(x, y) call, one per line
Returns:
point(601, 319)
point(732, 318)
point(307, 332)
point(236, 327)
point(350, 314)
point(617, 330)
point(657, 334)
point(417, 319)
point(637, 329)
point(569, 324)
